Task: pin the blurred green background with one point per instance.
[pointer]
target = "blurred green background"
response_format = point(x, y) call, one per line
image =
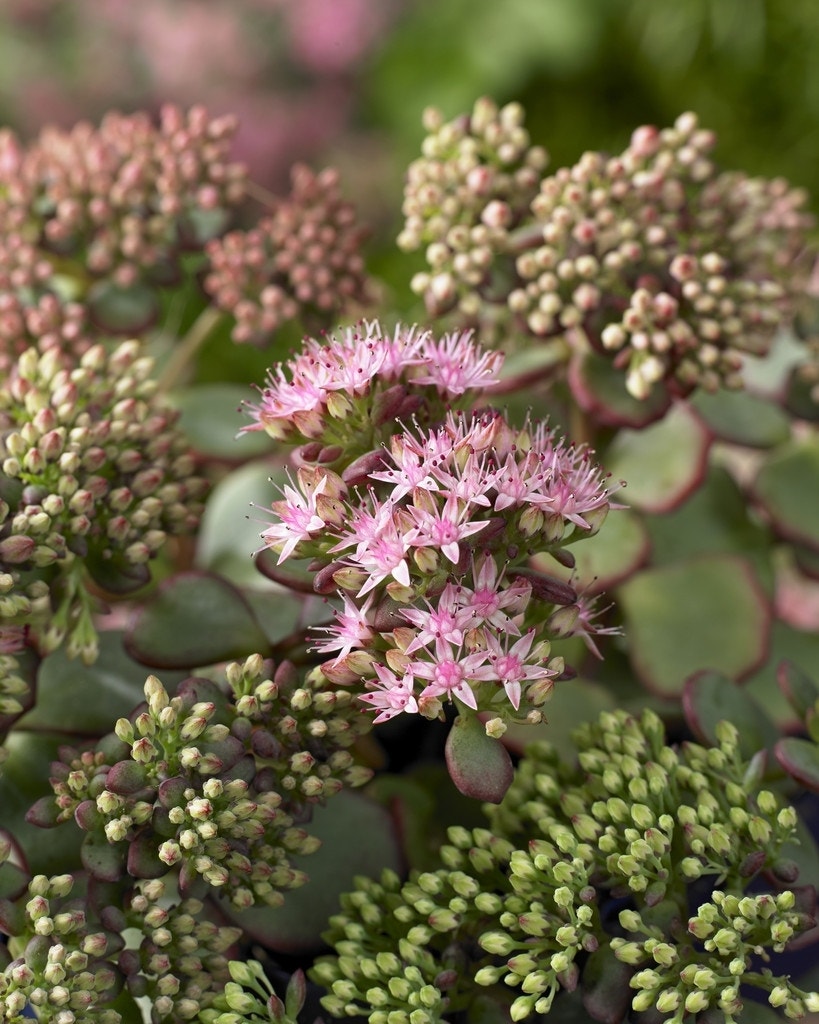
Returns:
point(345, 81)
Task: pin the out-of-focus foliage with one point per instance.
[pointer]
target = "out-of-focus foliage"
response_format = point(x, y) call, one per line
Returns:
point(307, 74)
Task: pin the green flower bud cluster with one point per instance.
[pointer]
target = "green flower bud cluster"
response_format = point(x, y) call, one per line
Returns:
point(652, 812)
point(305, 257)
point(180, 964)
point(536, 892)
point(213, 786)
point(249, 998)
point(61, 966)
point(399, 949)
point(95, 476)
point(124, 198)
point(731, 929)
point(475, 181)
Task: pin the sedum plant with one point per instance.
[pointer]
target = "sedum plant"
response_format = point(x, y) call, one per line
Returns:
point(609, 389)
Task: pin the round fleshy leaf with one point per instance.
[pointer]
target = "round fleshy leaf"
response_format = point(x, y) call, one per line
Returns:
point(211, 419)
point(742, 418)
point(600, 390)
point(195, 619)
point(807, 561)
point(233, 521)
point(800, 398)
point(116, 575)
point(711, 697)
point(620, 548)
point(800, 759)
point(662, 464)
point(797, 645)
point(769, 374)
point(123, 310)
point(787, 486)
point(714, 520)
point(86, 700)
point(606, 992)
point(358, 838)
point(803, 852)
point(13, 881)
point(24, 781)
point(706, 613)
point(799, 688)
point(479, 765)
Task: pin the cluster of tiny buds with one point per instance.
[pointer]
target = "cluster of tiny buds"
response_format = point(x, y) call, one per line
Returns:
point(180, 964)
point(125, 196)
point(104, 470)
point(211, 787)
point(63, 972)
point(45, 324)
point(731, 930)
point(708, 260)
point(305, 257)
point(473, 184)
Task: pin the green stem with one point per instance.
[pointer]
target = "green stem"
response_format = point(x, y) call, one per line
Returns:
point(188, 347)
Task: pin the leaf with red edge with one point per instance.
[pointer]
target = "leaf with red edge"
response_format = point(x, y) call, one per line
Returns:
point(620, 548)
point(704, 613)
point(800, 759)
point(23, 781)
point(710, 697)
point(807, 561)
point(196, 618)
point(479, 765)
point(787, 487)
point(799, 688)
point(663, 464)
point(600, 390)
point(606, 992)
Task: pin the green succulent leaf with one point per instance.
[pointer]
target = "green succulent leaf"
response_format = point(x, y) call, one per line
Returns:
point(662, 464)
point(86, 700)
point(710, 697)
point(123, 310)
point(24, 781)
point(742, 418)
point(600, 390)
point(709, 613)
point(800, 689)
point(800, 759)
point(787, 487)
point(479, 765)
point(605, 989)
point(211, 419)
point(607, 558)
point(195, 619)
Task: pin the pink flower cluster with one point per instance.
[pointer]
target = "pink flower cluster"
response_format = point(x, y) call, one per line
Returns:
point(389, 373)
point(427, 548)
